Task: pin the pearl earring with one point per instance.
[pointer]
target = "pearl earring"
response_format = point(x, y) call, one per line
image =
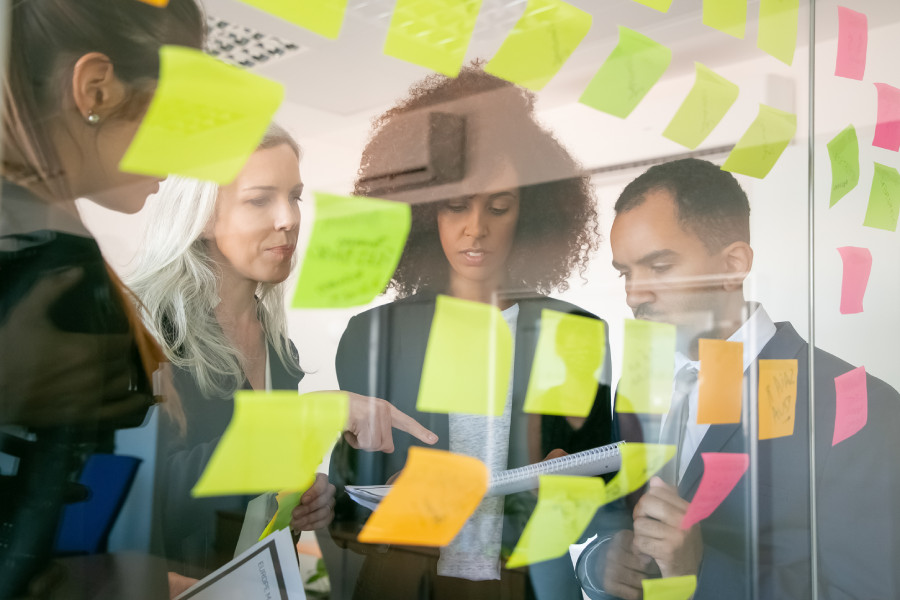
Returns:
point(92, 118)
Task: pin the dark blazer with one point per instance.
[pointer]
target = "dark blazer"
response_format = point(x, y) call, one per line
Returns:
point(857, 492)
point(188, 525)
point(382, 353)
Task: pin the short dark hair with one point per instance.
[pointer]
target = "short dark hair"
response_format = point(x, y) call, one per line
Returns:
point(557, 230)
point(709, 201)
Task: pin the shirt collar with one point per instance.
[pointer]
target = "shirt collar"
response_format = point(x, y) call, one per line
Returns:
point(755, 332)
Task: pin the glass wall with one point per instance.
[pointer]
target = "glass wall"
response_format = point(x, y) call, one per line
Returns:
point(580, 299)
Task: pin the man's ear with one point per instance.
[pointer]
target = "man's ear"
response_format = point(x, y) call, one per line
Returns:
point(738, 260)
point(95, 87)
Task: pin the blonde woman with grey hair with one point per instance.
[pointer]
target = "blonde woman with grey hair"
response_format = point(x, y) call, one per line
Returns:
point(210, 277)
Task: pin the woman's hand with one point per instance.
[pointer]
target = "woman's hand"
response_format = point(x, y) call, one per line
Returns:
point(178, 584)
point(316, 508)
point(370, 424)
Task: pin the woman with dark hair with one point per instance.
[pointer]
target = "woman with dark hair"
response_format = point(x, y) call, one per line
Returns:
point(514, 222)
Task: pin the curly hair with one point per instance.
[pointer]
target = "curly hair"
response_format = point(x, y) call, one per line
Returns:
point(557, 229)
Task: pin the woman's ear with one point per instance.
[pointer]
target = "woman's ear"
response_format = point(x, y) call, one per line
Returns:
point(95, 88)
point(738, 260)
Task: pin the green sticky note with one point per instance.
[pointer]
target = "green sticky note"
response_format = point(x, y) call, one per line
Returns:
point(777, 33)
point(633, 67)
point(206, 118)
point(564, 509)
point(884, 199)
point(660, 5)
point(287, 502)
point(353, 250)
point(843, 151)
point(324, 17)
point(728, 16)
point(540, 43)
point(467, 360)
point(670, 588)
point(763, 143)
point(567, 363)
point(275, 441)
point(432, 33)
point(648, 368)
point(705, 105)
point(639, 463)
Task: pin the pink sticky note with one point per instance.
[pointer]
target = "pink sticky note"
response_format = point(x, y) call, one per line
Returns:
point(721, 472)
point(853, 39)
point(887, 130)
point(857, 266)
point(852, 409)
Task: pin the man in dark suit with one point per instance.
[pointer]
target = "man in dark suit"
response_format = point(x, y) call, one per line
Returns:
point(681, 241)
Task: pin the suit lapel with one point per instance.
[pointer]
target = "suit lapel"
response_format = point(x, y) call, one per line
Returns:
point(715, 440)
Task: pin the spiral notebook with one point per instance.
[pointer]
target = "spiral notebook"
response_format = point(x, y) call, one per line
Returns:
point(596, 461)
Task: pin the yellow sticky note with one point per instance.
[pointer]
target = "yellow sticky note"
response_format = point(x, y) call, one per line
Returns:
point(564, 509)
point(567, 362)
point(639, 463)
point(777, 397)
point(633, 67)
point(777, 34)
point(275, 441)
point(287, 502)
point(432, 33)
point(159, 3)
point(540, 43)
point(324, 17)
point(648, 367)
point(728, 16)
point(354, 247)
point(670, 588)
point(720, 382)
point(705, 105)
point(431, 500)
point(467, 360)
point(843, 151)
point(660, 5)
point(884, 199)
point(206, 118)
point(762, 144)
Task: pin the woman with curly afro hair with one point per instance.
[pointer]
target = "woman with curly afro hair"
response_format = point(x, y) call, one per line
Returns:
point(503, 215)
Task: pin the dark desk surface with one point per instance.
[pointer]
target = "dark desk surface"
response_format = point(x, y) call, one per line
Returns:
point(121, 576)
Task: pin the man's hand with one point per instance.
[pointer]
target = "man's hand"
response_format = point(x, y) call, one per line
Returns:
point(626, 568)
point(370, 424)
point(316, 508)
point(658, 533)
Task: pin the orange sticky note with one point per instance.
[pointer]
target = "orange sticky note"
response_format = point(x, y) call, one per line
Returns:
point(431, 500)
point(159, 3)
point(721, 375)
point(777, 397)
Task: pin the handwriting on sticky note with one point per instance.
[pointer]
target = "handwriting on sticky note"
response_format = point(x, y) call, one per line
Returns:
point(728, 16)
point(777, 397)
point(564, 509)
point(323, 17)
point(843, 151)
point(763, 143)
point(708, 101)
point(430, 501)
point(540, 43)
point(857, 267)
point(852, 408)
point(639, 463)
point(473, 339)
point(720, 382)
point(660, 5)
point(567, 362)
point(884, 199)
point(887, 127)
point(630, 71)
point(721, 472)
point(353, 250)
point(777, 32)
point(275, 441)
point(287, 501)
point(670, 588)
point(205, 119)
point(853, 41)
point(648, 367)
point(433, 34)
